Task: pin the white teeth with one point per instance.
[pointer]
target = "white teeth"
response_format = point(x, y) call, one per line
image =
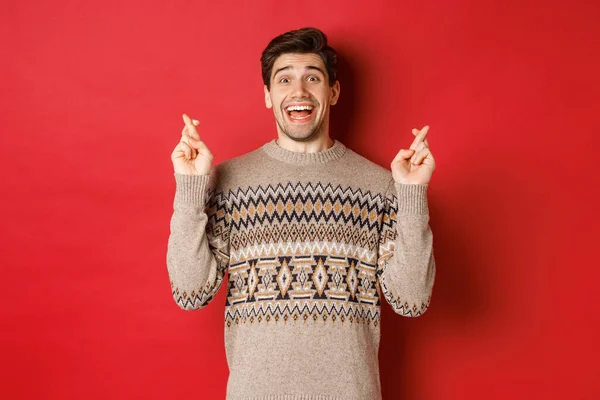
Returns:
point(292, 117)
point(299, 108)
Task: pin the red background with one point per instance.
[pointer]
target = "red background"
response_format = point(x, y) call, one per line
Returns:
point(92, 97)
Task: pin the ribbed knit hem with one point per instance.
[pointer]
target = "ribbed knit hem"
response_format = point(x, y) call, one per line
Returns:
point(191, 189)
point(288, 397)
point(412, 198)
point(294, 157)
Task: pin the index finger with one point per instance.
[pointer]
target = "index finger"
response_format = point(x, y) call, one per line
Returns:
point(420, 137)
point(416, 132)
point(191, 127)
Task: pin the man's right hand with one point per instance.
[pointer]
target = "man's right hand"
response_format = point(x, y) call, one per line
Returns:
point(191, 156)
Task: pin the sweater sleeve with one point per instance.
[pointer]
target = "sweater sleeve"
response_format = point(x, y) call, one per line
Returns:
point(405, 264)
point(198, 246)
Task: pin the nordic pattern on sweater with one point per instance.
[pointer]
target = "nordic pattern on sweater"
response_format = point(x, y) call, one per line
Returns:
point(301, 252)
point(310, 244)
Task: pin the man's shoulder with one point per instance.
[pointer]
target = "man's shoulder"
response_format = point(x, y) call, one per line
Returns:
point(246, 160)
point(234, 171)
point(365, 167)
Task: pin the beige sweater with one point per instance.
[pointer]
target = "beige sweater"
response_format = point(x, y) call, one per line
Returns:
point(311, 243)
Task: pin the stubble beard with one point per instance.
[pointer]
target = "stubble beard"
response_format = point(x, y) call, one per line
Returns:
point(313, 133)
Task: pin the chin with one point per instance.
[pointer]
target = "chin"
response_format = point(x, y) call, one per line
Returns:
point(305, 134)
point(301, 137)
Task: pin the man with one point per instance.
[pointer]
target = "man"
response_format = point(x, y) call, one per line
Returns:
point(310, 234)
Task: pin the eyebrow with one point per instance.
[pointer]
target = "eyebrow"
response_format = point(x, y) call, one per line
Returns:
point(289, 67)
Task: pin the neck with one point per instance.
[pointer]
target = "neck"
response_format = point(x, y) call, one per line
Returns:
point(335, 152)
point(321, 143)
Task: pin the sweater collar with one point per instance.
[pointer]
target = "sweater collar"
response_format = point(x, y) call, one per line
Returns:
point(293, 157)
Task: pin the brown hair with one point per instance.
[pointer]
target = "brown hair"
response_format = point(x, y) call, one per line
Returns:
point(304, 40)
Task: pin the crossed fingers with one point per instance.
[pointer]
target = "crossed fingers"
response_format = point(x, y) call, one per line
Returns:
point(189, 137)
point(420, 145)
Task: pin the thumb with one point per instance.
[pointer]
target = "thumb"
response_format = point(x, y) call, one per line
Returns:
point(403, 154)
point(406, 153)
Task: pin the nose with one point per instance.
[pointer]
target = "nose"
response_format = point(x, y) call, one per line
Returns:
point(298, 89)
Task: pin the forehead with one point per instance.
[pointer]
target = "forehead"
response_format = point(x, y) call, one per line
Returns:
point(297, 60)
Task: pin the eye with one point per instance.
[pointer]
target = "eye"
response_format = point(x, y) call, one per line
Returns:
point(313, 78)
point(284, 80)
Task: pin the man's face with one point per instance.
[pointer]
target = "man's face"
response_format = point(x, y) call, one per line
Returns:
point(300, 96)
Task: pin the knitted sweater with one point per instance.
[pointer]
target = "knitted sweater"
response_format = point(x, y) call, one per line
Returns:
point(310, 244)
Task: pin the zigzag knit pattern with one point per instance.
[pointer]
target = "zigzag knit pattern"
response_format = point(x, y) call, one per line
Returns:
point(330, 237)
point(311, 244)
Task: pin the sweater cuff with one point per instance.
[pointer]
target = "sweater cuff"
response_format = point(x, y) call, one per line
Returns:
point(191, 189)
point(412, 198)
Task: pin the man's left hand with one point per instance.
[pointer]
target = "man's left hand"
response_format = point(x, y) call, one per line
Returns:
point(416, 164)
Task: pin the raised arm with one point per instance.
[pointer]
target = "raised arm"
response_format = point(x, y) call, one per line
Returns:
point(406, 264)
point(198, 246)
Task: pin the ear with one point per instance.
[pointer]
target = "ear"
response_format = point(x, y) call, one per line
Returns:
point(335, 93)
point(268, 102)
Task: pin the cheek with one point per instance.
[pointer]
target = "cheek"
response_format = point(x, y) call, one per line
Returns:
point(324, 96)
point(275, 100)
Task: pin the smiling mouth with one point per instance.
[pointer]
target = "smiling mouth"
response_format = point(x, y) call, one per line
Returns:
point(300, 112)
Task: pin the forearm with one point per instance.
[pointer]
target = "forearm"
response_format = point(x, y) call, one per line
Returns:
point(408, 273)
point(195, 271)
